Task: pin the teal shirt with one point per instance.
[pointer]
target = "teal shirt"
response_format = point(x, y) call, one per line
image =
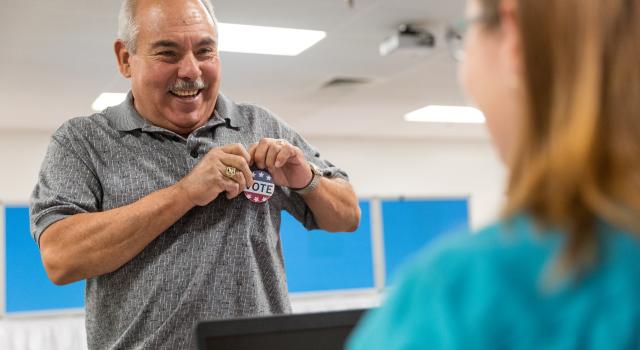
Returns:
point(488, 291)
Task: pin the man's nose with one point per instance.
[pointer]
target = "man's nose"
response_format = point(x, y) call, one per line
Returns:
point(189, 68)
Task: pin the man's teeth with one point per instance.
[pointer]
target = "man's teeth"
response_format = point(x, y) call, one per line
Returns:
point(186, 93)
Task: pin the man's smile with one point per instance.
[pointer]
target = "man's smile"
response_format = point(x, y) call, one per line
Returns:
point(186, 94)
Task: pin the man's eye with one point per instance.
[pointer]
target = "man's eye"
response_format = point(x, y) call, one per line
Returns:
point(206, 51)
point(166, 53)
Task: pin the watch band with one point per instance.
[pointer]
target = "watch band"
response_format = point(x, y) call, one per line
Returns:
point(315, 181)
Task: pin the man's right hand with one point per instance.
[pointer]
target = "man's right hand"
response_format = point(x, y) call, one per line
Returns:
point(207, 179)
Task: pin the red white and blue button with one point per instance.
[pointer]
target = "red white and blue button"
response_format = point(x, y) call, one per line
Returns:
point(263, 187)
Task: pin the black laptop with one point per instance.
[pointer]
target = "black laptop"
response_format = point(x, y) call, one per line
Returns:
point(321, 331)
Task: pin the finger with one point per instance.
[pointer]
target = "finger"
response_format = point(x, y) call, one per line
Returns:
point(252, 152)
point(272, 153)
point(284, 155)
point(239, 178)
point(237, 149)
point(229, 186)
point(260, 156)
point(240, 164)
point(233, 190)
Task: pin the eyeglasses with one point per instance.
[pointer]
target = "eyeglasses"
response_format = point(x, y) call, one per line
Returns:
point(456, 33)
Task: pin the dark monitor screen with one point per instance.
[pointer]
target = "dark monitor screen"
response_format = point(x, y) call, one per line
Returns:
point(322, 331)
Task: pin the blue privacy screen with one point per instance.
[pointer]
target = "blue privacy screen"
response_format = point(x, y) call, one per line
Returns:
point(27, 286)
point(315, 261)
point(322, 261)
point(410, 225)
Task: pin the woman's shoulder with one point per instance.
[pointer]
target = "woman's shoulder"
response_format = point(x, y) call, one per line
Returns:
point(514, 241)
point(467, 290)
point(512, 255)
point(443, 294)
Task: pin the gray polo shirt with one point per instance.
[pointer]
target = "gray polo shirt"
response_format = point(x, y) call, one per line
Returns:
point(218, 261)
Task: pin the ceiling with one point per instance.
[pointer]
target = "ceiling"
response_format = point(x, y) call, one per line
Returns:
point(57, 58)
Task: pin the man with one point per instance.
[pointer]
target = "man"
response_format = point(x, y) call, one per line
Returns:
point(145, 200)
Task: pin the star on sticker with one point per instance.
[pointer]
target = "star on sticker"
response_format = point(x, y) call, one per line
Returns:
point(268, 178)
point(260, 174)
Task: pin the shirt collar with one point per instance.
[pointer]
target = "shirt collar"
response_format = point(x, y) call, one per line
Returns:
point(125, 117)
point(229, 111)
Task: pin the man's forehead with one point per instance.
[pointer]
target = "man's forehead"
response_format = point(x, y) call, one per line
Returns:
point(161, 15)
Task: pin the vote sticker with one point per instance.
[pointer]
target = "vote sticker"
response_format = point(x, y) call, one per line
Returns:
point(262, 189)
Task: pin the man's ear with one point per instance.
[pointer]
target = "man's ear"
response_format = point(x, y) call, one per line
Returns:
point(123, 56)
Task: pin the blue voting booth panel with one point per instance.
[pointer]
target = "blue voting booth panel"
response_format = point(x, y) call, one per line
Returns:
point(322, 261)
point(409, 225)
point(27, 286)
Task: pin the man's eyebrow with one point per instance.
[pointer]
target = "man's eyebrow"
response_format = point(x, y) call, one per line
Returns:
point(206, 42)
point(164, 43)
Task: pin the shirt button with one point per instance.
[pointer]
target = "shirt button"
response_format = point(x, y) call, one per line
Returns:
point(194, 153)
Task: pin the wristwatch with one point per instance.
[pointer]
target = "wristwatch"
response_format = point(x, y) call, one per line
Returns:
point(315, 180)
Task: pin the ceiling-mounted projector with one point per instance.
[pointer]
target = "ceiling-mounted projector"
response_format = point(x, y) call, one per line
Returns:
point(408, 38)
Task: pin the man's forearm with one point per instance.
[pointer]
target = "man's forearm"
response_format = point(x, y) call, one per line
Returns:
point(92, 244)
point(334, 205)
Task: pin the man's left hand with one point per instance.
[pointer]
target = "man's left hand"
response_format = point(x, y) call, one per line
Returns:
point(285, 162)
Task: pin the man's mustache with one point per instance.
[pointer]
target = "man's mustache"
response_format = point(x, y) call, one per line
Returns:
point(188, 85)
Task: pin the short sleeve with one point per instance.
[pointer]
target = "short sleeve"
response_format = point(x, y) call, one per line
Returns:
point(66, 186)
point(313, 155)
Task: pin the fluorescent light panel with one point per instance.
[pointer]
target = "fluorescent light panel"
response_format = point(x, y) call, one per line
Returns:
point(266, 40)
point(107, 99)
point(446, 114)
point(244, 39)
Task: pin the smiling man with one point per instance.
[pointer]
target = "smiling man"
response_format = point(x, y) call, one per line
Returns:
point(147, 202)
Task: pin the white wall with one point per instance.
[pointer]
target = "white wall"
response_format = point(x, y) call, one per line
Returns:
point(378, 168)
point(21, 153)
point(422, 168)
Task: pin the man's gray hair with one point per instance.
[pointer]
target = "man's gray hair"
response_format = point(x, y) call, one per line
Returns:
point(128, 28)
